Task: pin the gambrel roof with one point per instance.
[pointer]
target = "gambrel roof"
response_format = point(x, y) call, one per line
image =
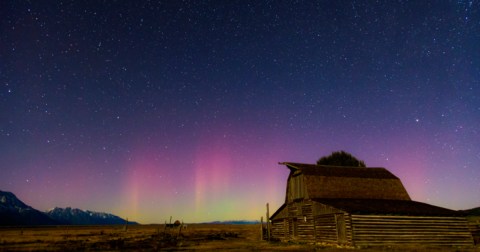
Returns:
point(348, 182)
point(340, 171)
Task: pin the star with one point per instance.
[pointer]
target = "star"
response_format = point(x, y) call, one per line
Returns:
point(213, 95)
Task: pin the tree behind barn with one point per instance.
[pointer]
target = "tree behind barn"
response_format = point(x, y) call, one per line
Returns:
point(341, 158)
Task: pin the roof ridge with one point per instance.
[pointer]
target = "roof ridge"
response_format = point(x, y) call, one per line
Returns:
point(295, 165)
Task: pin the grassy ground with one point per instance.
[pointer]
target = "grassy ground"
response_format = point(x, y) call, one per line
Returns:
point(206, 237)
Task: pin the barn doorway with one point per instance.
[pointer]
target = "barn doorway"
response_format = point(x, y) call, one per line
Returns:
point(295, 227)
point(341, 233)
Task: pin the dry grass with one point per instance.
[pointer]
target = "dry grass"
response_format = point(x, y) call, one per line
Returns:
point(206, 237)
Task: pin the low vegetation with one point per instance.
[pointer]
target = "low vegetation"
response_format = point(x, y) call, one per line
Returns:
point(206, 237)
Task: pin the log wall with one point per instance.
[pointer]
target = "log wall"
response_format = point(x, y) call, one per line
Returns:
point(306, 231)
point(369, 230)
point(298, 223)
point(348, 227)
point(327, 229)
point(474, 227)
point(292, 213)
point(280, 229)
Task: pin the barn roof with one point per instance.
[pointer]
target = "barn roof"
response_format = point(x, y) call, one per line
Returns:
point(279, 210)
point(323, 181)
point(387, 207)
point(341, 171)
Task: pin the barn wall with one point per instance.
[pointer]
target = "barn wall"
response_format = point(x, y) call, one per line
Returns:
point(297, 223)
point(279, 229)
point(292, 214)
point(348, 227)
point(327, 226)
point(296, 187)
point(474, 227)
point(306, 230)
point(369, 230)
point(328, 229)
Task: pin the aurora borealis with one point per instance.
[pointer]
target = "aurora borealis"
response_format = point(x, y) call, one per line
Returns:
point(149, 109)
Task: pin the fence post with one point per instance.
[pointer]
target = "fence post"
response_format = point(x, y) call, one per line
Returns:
point(268, 223)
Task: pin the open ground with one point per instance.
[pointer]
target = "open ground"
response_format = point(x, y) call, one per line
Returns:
point(204, 237)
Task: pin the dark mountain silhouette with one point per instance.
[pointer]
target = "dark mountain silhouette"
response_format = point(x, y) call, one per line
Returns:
point(75, 216)
point(13, 212)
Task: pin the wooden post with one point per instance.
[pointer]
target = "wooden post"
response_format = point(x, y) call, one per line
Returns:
point(261, 228)
point(126, 224)
point(268, 223)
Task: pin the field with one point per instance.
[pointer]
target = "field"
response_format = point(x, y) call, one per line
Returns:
point(204, 237)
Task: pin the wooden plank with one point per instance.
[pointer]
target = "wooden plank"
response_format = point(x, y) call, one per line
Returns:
point(381, 230)
point(326, 228)
point(406, 217)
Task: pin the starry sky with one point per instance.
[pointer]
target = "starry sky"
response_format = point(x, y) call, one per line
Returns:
point(149, 109)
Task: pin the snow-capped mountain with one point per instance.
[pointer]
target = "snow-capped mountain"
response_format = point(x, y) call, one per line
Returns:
point(75, 216)
point(14, 212)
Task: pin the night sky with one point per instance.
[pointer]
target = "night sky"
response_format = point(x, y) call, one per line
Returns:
point(184, 108)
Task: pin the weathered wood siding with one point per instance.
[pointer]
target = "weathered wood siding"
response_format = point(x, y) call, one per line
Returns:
point(329, 230)
point(295, 222)
point(295, 187)
point(292, 225)
point(326, 228)
point(405, 230)
point(348, 229)
point(306, 230)
point(474, 227)
point(280, 229)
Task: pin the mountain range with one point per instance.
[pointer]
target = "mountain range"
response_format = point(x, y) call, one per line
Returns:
point(13, 212)
point(75, 216)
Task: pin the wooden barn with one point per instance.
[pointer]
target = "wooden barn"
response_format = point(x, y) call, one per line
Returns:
point(356, 206)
